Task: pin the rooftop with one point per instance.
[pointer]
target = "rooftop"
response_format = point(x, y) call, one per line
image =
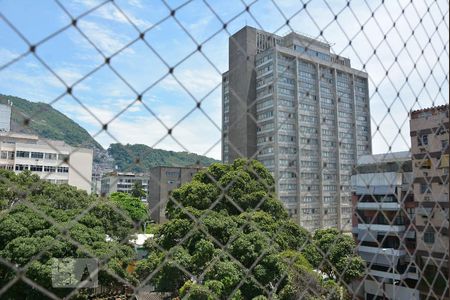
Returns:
point(416, 113)
point(384, 158)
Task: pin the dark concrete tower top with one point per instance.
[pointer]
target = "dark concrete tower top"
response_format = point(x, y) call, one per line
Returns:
point(243, 47)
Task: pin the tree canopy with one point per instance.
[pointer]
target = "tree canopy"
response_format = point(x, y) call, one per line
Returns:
point(228, 235)
point(40, 221)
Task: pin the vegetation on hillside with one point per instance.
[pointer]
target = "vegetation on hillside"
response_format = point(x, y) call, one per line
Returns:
point(242, 245)
point(47, 122)
point(139, 157)
point(40, 221)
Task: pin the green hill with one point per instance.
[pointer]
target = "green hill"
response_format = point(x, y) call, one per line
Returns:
point(139, 158)
point(47, 122)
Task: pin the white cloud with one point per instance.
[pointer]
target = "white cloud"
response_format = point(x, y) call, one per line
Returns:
point(198, 81)
point(106, 40)
point(111, 13)
point(194, 134)
point(6, 56)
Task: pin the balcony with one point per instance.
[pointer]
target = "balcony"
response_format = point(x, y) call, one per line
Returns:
point(382, 227)
point(389, 275)
point(390, 291)
point(382, 251)
point(392, 206)
point(381, 256)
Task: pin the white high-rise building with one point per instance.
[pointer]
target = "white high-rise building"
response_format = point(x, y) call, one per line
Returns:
point(5, 117)
point(304, 113)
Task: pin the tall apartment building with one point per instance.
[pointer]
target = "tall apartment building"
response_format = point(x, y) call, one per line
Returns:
point(5, 117)
point(163, 180)
point(52, 160)
point(383, 226)
point(122, 182)
point(430, 155)
point(304, 113)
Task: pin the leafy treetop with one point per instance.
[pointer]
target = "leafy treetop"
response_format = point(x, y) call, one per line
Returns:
point(228, 236)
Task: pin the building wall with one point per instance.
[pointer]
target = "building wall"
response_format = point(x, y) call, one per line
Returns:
point(5, 118)
point(123, 182)
point(304, 113)
point(163, 180)
point(225, 118)
point(53, 161)
point(429, 147)
point(80, 171)
point(384, 181)
point(242, 79)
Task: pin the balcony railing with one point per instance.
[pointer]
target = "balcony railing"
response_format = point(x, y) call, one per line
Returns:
point(382, 227)
point(393, 206)
point(382, 251)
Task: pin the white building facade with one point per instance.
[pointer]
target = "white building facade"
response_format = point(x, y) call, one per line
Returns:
point(123, 182)
point(53, 161)
point(5, 117)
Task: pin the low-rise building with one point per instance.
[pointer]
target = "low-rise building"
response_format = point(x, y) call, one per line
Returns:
point(162, 181)
point(123, 182)
point(383, 225)
point(54, 161)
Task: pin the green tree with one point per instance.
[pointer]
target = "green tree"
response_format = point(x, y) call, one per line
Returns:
point(333, 253)
point(228, 234)
point(43, 221)
point(131, 205)
point(137, 190)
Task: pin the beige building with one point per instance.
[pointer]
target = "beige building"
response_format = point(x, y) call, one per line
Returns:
point(430, 157)
point(122, 182)
point(304, 113)
point(162, 181)
point(54, 161)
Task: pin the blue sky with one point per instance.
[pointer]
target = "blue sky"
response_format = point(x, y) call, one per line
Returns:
point(104, 97)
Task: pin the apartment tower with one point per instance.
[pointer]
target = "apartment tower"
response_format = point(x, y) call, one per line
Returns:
point(430, 156)
point(383, 226)
point(302, 111)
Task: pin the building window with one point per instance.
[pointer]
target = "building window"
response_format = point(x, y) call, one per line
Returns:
point(21, 167)
point(424, 188)
point(25, 154)
point(428, 237)
point(422, 140)
point(63, 169)
point(51, 156)
point(172, 174)
point(411, 213)
point(37, 155)
point(49, 169)
point(35, 168)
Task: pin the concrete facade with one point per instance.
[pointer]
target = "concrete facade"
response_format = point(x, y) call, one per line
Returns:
point(430, 155)
point(162, 181)
point(383, 225)
point(5, 117)
point(53, 161)
point(122, 182)
point(304, 113)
